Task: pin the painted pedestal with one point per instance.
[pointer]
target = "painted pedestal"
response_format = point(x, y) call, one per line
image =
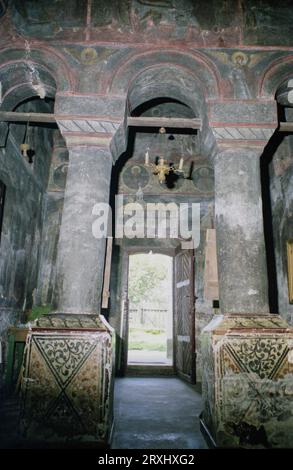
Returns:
point(67, 386)
point(248, 381)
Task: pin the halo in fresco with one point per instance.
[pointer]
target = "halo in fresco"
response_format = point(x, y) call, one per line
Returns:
point(136, 176)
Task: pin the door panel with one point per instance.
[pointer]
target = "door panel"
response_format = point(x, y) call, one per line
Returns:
point(122, 337)
point(184, 318)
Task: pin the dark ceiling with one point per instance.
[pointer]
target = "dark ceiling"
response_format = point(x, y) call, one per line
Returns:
point(253, 22)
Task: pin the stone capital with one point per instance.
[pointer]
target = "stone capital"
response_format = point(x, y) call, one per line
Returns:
point(88, 120)
point(85, 139)
point(239, 151)
point(109, 107)
point(242, 123)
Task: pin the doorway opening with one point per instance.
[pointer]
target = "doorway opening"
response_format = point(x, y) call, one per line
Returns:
point(150, 293)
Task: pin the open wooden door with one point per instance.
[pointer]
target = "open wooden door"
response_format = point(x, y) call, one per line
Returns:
point(124, 319)
point(184, 316)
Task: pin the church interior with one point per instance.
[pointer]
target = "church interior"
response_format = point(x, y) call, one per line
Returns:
point(117, 331)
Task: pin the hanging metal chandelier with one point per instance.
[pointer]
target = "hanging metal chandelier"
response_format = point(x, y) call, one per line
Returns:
point(162, 167)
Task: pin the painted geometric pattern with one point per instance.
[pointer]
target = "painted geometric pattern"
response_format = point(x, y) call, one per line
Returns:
point(268, 322)
point(67, 385)
point(254, 375)
point(64, 356)
point(242, 133)
point(262, 356)
point(248, 386)
point(88, 125)
point(69, 322)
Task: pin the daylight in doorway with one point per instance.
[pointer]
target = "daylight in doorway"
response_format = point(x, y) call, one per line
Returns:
point(150, 335)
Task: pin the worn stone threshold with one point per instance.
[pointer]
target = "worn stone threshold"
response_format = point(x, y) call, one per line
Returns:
point(149, 369)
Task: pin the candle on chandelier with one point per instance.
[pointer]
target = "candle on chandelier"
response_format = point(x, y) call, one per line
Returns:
point(181, 164)
point(147, 158)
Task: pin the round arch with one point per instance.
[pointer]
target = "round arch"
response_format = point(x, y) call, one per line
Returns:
point(171, 81)
point(276, 73)
point(20, 82)
point(29, 72)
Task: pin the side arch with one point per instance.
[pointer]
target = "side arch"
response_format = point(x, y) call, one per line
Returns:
point(277, 72)
point(29, 72)
point(21, 81)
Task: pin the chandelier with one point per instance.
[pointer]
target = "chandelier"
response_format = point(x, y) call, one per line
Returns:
point(25, 147)
point(162, 167)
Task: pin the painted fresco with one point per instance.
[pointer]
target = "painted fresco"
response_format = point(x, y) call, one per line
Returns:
point(218, 23)
point(67, 380)
point(247, 381)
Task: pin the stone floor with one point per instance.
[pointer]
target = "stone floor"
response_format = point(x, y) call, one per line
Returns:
point(156, 413)
point(9, 418)
point(150, 413)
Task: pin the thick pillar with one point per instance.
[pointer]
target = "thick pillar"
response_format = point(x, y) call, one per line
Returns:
point(80, 258)
point(247, 352)
point(239, 228)
point(68, 372)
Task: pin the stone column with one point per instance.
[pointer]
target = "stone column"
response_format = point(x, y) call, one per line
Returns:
point(80, 258)
point(239, 228)
point(70, 359)
point(68, 373)
point(247, 352)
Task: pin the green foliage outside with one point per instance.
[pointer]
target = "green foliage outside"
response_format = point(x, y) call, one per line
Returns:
point(147, 340)
point(149, 288)
point(145, 279)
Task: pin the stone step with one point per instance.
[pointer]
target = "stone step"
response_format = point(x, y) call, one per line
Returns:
point(143, 370)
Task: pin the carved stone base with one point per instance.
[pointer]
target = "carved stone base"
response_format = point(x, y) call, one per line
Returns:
point(67, 385)
point(248, 381)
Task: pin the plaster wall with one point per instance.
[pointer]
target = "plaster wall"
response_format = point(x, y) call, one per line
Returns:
point(22, 222)
point(281, 172)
